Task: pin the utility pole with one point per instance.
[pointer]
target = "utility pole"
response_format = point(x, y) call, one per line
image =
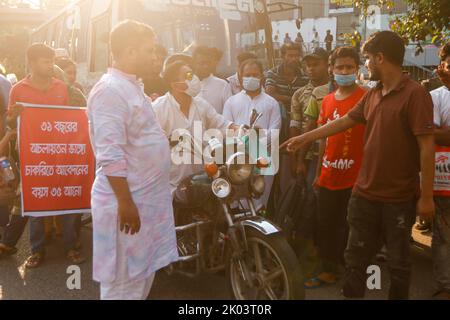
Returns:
point(268, 35)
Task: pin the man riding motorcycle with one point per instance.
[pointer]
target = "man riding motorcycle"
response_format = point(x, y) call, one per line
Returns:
point(181, 110)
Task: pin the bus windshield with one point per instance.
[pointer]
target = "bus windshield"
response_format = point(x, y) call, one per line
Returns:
point(183, 24)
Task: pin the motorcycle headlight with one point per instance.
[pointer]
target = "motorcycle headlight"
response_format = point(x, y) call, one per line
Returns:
point(221, 188)
point(258, 184)
point(238, 173)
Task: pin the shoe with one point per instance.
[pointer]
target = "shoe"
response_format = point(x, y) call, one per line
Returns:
point(35, 260)
point(75, 257)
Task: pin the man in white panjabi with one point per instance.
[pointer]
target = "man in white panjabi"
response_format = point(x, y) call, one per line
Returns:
point(133, 224)
point(239, 109)
point(233, 80)
point(213, 89)
point(182, 109)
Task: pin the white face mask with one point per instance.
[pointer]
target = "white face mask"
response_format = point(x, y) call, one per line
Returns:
point(194, 86)
point(251, 83)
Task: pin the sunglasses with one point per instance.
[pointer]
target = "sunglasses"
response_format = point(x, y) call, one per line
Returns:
point(189, 76)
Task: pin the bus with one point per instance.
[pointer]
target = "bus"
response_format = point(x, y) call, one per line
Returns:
point(82, 28)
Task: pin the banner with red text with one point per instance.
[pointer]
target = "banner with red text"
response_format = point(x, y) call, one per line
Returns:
point(57, 164)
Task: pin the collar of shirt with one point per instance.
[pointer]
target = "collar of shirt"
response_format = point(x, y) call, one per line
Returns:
point(405, 78)
point(244, 93)
point(233, 77)
point(27, 82)
point(173, 102)
point(208, 79)
point(280, 71)
point(130, 77)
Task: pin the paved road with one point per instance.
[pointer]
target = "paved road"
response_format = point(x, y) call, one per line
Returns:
point(49, 281)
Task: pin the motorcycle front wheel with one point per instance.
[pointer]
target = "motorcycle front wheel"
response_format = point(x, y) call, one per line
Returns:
point(275, 273)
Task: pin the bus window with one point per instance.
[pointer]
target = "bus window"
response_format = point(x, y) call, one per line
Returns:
point(99, 46)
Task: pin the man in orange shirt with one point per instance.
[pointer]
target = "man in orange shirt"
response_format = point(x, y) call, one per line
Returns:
point(40, 87)
point(341, 156)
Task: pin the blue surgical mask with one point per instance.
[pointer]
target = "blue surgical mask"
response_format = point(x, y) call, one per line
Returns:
point(345, 80)
point(251, 83)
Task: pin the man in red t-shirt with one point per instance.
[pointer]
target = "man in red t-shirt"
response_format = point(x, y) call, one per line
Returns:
point(341, 156)
point(40, 87)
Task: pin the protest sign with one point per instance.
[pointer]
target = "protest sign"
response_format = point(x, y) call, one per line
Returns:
point(57, 163)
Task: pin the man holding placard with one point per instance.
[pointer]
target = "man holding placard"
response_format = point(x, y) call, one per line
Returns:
point(41, 88)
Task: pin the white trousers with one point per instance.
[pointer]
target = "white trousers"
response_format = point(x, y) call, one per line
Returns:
point(124, 288)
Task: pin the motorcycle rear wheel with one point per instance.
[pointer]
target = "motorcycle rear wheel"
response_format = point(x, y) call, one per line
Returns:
point(273, 266)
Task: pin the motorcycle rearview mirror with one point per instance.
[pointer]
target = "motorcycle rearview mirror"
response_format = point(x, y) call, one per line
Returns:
point(254, 117)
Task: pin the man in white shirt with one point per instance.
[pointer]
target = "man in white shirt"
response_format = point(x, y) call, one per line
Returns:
point(234, 80)
point(182, 109)
point(441, 223)
point(134, 231)
point(239, 109)
point(214, 90)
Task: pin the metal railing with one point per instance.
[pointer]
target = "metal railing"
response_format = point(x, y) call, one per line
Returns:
point(417, 71)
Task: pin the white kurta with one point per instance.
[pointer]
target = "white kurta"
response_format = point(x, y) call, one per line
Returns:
point(239, 108)
point(216, 91)
point(128, 142)
point(171, 118)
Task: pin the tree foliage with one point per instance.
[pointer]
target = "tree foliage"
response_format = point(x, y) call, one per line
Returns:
point(425, 20)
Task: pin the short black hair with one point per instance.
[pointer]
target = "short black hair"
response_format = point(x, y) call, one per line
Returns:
point(444, 52)
point(178, 57)
point(291, 46)
point(252, 62)
point(64, 62)
point(40, 50)
point(129, 33)
point(245, 56)
point(212, 52)
point(345, 52)
point(389, 43)
point(171, 71)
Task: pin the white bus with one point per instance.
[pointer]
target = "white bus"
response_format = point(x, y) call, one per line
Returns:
point(82, 28)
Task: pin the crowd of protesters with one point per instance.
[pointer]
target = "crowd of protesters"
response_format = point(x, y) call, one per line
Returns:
point(357, 150)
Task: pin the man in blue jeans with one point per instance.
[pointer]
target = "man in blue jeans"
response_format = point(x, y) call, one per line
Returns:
point(40, 87)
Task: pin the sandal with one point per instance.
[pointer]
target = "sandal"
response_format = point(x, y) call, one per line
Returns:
point(312, 283)
point(327, 278)
point(6, 251)
point(75, 257)
point(35, 260)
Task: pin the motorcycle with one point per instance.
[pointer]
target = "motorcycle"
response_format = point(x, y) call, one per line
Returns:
point(215, 235)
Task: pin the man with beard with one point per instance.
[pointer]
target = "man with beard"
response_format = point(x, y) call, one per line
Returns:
point(398, 144)
point(133, 225)
point(154, 85)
